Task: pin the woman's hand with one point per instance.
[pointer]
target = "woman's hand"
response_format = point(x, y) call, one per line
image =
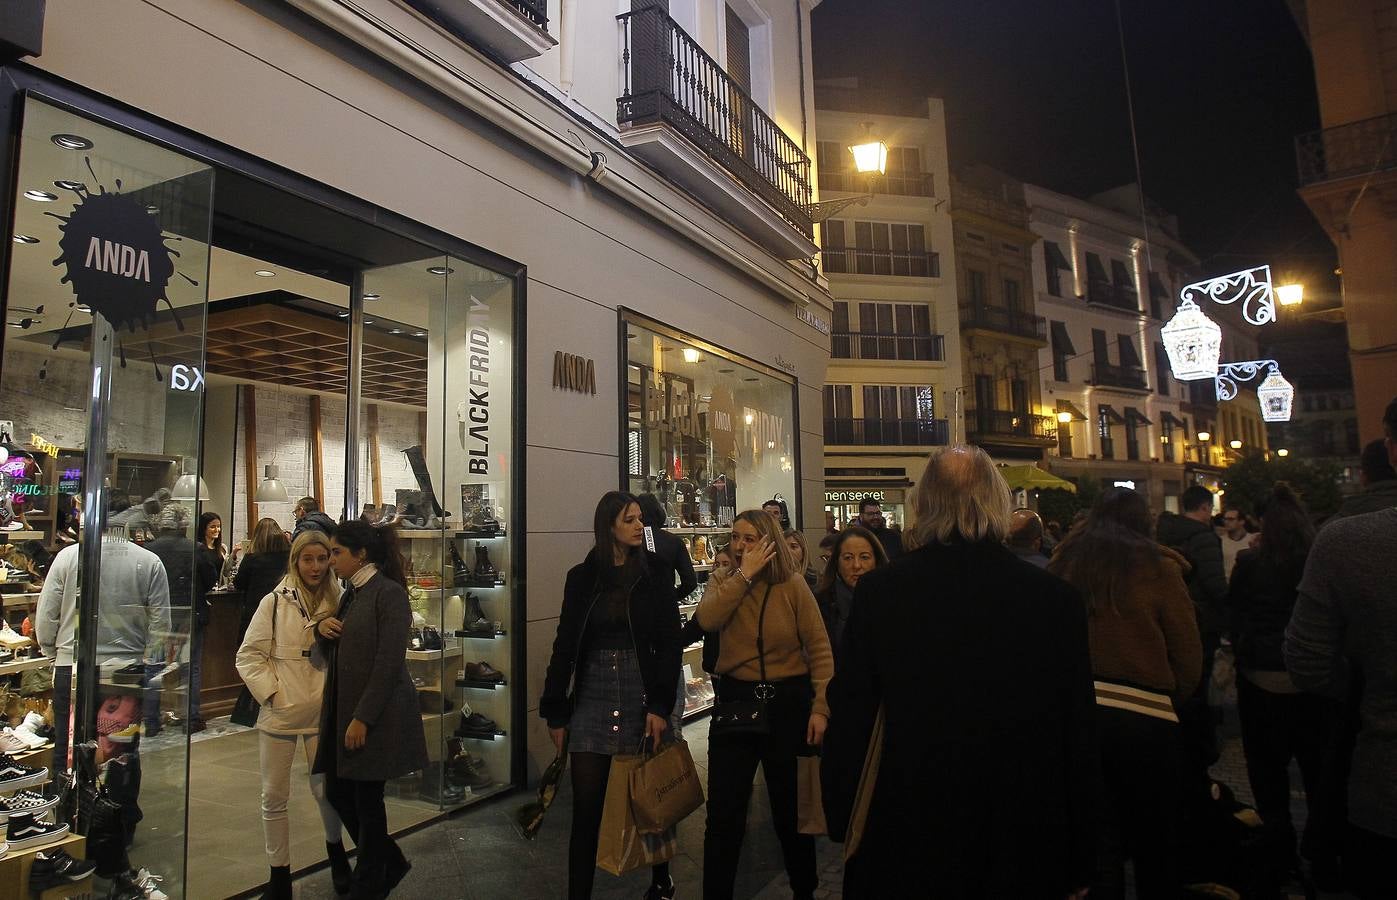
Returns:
point(330, 628)
point(355, 735)
point(815, 731)
point(654, 729)
point(559, 736)
point(756, 558)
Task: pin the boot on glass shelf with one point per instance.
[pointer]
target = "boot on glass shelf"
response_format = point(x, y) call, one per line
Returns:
point(485, 572)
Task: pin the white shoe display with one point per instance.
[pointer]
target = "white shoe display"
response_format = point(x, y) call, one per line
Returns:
point(31, 740)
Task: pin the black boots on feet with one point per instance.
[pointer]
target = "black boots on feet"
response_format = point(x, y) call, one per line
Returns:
point(340, 872)
point(279, 885)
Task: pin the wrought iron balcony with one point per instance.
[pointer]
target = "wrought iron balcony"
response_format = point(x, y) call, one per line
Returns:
point(670, 79)
point(1106, 293)
point(1002, 423)
point(854, 261)
point(1004, 321)
point(907, 184)
point(511, 30)
point(879, 345)
point(887, 432)
point(1132, 377)
point(1344, 151)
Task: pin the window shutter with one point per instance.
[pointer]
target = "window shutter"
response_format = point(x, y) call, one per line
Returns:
point(739, 51)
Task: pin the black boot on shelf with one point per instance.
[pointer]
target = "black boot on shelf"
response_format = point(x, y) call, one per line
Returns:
point(279, 885)
point(418, 462)
point(485, 573)
point(474, 620)
point(341, 875)
point(461, 572)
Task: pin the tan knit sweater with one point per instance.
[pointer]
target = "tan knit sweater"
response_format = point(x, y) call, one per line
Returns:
point(793, 633)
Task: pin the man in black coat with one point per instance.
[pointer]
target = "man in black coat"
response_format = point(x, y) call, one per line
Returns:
point(871, 517)
point(980, 662)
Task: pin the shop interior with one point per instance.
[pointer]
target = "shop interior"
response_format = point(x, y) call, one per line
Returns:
point(234, 398)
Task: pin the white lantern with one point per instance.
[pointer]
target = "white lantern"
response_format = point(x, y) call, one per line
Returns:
point(1277, 396)
point(1193, 342)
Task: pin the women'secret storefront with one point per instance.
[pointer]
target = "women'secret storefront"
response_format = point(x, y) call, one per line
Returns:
point(213, 314)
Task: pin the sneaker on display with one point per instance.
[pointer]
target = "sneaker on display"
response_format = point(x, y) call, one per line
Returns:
point(126, 734)
point(31, 802)
point(53, 869)
point(10, 743)
point(132, 674)
point(28, 738)
point(14, 775)
point(24, 830)
point(149, 885)
point(125, 887)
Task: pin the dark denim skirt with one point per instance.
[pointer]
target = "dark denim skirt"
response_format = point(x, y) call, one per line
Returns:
point(608, 714)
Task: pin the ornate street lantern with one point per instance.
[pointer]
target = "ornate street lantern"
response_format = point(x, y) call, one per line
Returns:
point(1277, 396)
point(1193, 342)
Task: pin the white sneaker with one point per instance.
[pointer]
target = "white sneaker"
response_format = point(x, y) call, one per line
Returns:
point(11, 744)
point(25, 732)
point(31, 741)
point(32, 720)
point(148, 882)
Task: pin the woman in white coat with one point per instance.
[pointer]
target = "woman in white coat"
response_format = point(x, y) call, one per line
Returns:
point(280, 665)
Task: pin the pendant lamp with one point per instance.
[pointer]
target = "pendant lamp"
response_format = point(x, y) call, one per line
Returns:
point(271, 490)
point(190, 487)
point(1193, 342)
point(1277, 396)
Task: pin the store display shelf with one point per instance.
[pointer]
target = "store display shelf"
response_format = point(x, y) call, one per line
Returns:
point(699, 529)
point(39, 757)
point(691, 714)
point(479, 683)
point(24, 665)
point(480, 635)
point(421, 534)
point(20, 601)
point(23, 535)
point(456, 588)
point(479, 735)
point(426, 655)
point(16, 864)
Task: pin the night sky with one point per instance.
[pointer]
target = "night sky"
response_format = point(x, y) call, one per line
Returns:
point(1037, 90)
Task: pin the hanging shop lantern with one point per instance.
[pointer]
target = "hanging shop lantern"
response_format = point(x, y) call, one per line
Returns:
point(1193, 342)
point(1277, 396)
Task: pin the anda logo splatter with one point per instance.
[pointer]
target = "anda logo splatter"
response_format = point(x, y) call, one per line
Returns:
point(115, 259)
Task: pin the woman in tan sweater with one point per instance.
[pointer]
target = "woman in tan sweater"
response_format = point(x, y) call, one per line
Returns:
point(773, 647)
point(1146, 654)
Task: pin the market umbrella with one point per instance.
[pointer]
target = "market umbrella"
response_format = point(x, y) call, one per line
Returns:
point(1028, 478)
point(529, 817)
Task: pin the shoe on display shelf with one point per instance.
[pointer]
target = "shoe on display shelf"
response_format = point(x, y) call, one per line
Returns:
point(477, 723)
point(431, 639)
point(461, 573)
point(14, 775)
point(133, 674)
point(10, 743)
point(482, 671)
point(31, 802)
point(468, 770)
point(13, 639)
point(149, 884)
point(124, 735)
point(126, 886)
point(30, 740)
point(24, 830)
point(415, 641)
point(486, 575)
point(50, 870)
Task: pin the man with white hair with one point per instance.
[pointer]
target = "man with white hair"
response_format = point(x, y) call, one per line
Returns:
point(980, 664)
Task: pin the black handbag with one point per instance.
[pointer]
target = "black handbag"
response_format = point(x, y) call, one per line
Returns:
point(736, 717)
point(99, 817)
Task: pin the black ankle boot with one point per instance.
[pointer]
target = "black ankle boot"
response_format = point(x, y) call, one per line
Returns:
point(341, 875)
point(279, 884)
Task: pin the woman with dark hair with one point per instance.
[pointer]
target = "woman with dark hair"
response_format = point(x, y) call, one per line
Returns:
point(854, 552)
point(208, 568)
point(1146, 655)
point(262, 568)
point(772, 649)
point(1278, 721)
point(370, 724)
point(614, 674)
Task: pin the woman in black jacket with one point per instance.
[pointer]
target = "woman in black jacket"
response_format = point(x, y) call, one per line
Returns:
point(614, 672)
point(854, 553)
point(1278, 721)
point(208, 567)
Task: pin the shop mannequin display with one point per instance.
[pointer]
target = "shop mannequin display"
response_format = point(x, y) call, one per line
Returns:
point(370, 726)
point(278, 666)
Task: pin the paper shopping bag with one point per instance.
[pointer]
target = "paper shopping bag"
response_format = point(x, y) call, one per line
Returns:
point(810, 808)
point(621, 848)
point(665, 788)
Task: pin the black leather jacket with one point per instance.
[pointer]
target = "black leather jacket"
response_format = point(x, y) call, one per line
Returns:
point(654, 622)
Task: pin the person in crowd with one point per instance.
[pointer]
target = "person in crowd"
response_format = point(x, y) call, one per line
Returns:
point(370, 723)
point(776, 508)
point(209, 558)
point(772, 645)
point(669, 550)
point(1146, 656)
point(309, 517)
point(611, 682)
point(177, 554)
point(1235, 537)
point(262, 568)
point(722, 559)
point(871, 517)
point(959, 605)
point(1344, 628)
point(826, 550)
point(279, 663)
point(830, 526)
point(1026, 537)
point(1278, 722)
point(855, 553)
point(1054, 534)
point(795, 542)
point(1378, 480)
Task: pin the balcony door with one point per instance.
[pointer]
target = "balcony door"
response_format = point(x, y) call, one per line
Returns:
point(739, 66)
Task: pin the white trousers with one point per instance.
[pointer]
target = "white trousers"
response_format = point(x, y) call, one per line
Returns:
point(277, 752)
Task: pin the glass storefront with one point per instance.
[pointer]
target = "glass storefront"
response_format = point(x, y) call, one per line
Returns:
point(185, 346)
point(710, 436)
point(842, 506)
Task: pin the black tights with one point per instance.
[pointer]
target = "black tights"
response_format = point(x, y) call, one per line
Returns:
point(590, 774)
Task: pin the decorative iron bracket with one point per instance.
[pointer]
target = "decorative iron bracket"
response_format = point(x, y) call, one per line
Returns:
point(1231, 373)
point(1251, 286)
point(824, 209)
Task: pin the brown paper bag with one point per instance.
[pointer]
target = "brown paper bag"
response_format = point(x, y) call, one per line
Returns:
point(810, 807)
point(665, 788)
point(621, 847)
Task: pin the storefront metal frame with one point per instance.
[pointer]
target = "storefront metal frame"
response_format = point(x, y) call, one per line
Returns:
point(626, 316)
point(18, 82)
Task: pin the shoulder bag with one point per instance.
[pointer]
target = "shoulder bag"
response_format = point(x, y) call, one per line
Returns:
point(747, 716)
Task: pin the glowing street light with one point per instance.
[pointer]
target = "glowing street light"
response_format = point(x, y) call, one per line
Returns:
point(1064, 417)
point(1277, 396)
point(1290, 294)
point(1282, 452)
point(1235, 444)
point(1193, 342)
point(870, 157)
point(1204, 437)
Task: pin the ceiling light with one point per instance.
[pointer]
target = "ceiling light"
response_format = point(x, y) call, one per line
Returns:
point(64, 184)
point(41, 196)
point(25, 239)
point(152, 208)
point(726, 371)
point(750, 378)
point(371, 296)
point(344, 315)
point(440, 270)
point(368, 321)
point(395, 331)
point(271, 490)
point(419, 334)
point(264, 273)
point(72, 142)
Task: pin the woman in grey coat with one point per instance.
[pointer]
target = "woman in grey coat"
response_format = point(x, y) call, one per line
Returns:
point(370, 726)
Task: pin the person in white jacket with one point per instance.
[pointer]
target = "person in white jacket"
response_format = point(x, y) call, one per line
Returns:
point(282, 667)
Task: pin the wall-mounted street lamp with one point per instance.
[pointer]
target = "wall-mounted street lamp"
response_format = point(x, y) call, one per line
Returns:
point(1282, 452)
point(1204, 437)
point(1290, 294)
point(1235, 444)
point(871, 161)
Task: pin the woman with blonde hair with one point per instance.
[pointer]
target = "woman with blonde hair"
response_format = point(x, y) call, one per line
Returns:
point(774, 658)
point(278, 663)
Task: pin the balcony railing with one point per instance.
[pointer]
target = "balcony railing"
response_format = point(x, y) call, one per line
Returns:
point(1007, 423)
point(1113, 295)
point(1004, 321)
point(852, 261)
point(908, 184)
point(1358, 148)
point(670, 79)
point(888, 432)
point(535, 11)
point(1106, 375)
point(877, 345)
